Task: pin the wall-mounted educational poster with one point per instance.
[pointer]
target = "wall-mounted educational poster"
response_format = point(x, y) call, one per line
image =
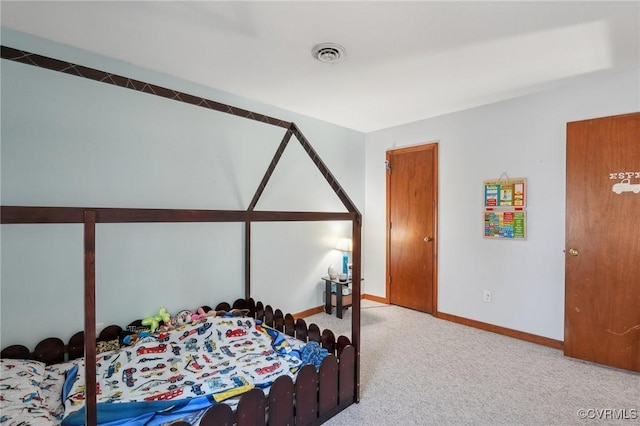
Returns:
point(507, 224)
point(504, 204)
point(505, 193)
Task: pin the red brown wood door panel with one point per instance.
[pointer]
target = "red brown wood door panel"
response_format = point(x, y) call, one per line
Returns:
point(411, 237)
point(602, 264)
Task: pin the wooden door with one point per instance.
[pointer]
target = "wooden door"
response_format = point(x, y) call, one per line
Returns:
point(412, 240)
point(602, 264)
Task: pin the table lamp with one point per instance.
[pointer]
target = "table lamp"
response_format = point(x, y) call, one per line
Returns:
point(345, 245)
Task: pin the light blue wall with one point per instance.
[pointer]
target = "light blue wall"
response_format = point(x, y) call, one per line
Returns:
point(523, 137)
point(68, 141)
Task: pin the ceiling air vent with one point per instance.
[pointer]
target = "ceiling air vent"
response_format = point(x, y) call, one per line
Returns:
point(328, 52)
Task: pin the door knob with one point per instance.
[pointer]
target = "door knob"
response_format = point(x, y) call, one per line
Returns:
point(427, 239)
point(573, 252)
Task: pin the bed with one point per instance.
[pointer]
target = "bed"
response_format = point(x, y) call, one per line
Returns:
point(220, 369)
point(316, 395)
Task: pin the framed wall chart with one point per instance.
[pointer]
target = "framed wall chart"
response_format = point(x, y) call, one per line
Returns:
point(505, 193)
point(505, 201)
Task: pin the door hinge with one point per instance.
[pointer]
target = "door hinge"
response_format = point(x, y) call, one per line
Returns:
point(387, 166)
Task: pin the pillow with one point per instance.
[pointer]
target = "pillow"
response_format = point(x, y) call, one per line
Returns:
point(232, 313)
point(137, 329)
point(22, 368)
point(51, 387)
point(22, 401)
point(109, 345)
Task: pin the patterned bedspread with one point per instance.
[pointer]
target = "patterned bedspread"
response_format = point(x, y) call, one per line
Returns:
point(184, 370)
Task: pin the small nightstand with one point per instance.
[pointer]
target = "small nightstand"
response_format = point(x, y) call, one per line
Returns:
point(336, 298)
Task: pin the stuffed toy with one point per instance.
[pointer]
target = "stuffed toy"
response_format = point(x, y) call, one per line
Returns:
point(198, 315)
point(154, 322)
point(182, 317)
point(133, 338)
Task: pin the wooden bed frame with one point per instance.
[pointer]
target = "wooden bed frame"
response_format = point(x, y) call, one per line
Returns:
point(310, 400)
point(319, 396)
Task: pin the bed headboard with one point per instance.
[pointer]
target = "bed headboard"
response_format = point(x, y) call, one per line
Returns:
point(53, 350)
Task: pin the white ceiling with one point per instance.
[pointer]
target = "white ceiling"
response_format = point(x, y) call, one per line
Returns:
point(405, 61)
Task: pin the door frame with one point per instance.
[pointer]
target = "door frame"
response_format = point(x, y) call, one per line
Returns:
point(404, 150)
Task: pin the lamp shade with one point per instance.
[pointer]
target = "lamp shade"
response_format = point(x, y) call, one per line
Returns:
point(344, 244)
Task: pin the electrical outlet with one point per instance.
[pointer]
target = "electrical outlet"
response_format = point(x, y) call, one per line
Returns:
point(486, 296)
point(99, 328)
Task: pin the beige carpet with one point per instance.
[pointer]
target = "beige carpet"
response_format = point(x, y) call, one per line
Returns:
point(418, 370)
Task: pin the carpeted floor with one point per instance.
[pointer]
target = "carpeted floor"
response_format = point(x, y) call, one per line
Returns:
point(419, 370)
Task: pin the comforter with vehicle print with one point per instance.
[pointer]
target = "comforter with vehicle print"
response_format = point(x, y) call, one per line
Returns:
point(183, 370)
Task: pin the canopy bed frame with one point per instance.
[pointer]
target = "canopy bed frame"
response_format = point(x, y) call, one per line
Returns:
point(90, 216)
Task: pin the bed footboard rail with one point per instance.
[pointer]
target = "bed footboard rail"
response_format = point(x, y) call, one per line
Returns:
point(312, 399)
